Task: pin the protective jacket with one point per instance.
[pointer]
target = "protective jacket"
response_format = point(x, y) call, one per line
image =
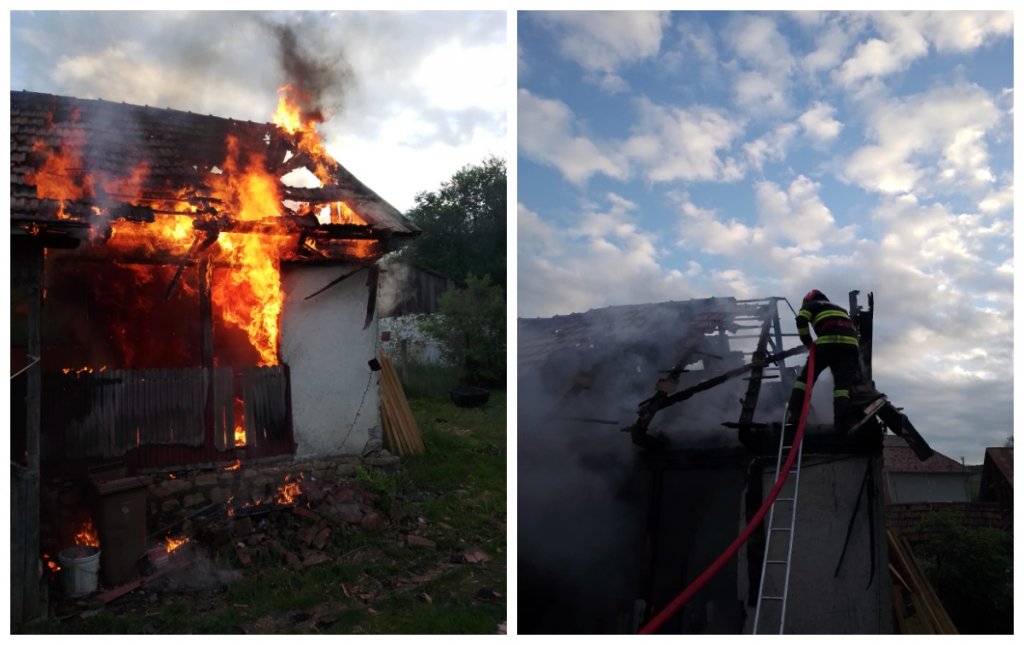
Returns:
point(832, 325)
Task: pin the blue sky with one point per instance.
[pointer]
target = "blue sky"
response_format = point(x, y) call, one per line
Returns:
point(427, 94)
point(666, 156)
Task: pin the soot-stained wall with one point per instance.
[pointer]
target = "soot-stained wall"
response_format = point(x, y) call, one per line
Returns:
point(819, 601)
point(334, 394)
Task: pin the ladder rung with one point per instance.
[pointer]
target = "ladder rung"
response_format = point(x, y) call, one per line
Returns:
point(777, 561)
point(785, 499)
point(772, 598)
point(783, 528)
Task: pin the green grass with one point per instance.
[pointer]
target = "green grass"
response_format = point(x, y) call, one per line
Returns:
point(454, 494)
point(425, 381)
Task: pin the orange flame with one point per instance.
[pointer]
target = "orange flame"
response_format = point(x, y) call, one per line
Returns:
point(63, 176)
point(288, 491)
point(251, 298)
point(87, 535)
point(175, 543)
point(238, 462)
point(289, 118)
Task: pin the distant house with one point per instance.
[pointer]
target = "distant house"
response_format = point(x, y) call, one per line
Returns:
point(909, 480)
point(407, 294)
point(916, 489)
point(997, 481)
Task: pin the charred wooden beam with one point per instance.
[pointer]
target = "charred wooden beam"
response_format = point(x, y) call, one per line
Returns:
point(646, 413)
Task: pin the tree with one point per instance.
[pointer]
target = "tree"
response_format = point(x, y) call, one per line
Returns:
point(971, 570)
point(464, 225)
point(470, 328)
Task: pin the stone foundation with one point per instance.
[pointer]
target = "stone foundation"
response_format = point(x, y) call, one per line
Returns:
point(174, 496)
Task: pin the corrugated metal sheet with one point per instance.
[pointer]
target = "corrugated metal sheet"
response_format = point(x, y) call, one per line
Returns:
point(223, 408)
point(106, 414)
point(264, 391)
point(156, 418)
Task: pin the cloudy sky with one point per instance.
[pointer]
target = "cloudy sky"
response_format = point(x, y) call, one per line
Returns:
point(410, 97)
point(667, 156)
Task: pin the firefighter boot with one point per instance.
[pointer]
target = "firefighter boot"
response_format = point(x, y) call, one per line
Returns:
point(841, 418)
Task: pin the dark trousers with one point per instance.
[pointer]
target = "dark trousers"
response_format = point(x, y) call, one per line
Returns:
point(844, 361)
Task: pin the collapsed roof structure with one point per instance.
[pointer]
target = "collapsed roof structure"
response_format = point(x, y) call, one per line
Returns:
point(609, 534)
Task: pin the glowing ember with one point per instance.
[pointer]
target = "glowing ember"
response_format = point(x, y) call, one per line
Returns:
point(87, 535)
point(288, 491)
point(238, 462)
point(50, 563)
point(175, 543)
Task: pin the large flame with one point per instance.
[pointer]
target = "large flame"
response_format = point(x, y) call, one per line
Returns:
point(245, 199)
point(251, 296)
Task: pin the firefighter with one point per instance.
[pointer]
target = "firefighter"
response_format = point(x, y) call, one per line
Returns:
point(836, 347)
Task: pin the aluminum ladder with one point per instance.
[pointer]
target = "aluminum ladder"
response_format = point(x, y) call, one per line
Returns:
point(770, 615)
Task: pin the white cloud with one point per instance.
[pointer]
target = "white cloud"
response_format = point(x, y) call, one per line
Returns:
point(771, 145)
point(937, 137)
point(534, 234)
point(819, 124)
point(603, 258)
point(760, 93)
point(672, 143)
point(755, 39)
point(960, 31)
point(905, 37)
point(603, 41)
point(547, 134)
point(797, 215)
point(703, 230)
point(832, 42)
point(999, 200)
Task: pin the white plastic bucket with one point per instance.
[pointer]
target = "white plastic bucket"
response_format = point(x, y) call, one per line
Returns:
point(79, 568)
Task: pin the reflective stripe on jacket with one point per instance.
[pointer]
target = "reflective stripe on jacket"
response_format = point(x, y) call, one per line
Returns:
point(832, 325)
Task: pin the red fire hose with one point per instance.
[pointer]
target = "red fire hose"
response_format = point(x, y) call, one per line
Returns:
point(695, 586)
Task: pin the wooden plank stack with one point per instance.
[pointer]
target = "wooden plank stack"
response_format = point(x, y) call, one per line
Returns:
point(401, 432)
point(916, 607)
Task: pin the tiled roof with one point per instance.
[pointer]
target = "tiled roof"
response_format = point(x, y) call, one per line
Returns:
point(899, 458)
point(179, 148)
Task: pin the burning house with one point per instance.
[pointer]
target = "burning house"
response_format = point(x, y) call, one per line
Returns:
point(648, 438)
point(187, 291)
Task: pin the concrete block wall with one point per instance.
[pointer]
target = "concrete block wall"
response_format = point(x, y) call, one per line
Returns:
point(857, 600)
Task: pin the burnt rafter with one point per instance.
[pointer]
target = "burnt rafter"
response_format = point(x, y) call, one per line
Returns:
point(652, 406)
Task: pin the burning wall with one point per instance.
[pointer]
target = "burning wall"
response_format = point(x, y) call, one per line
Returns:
point(168, 233)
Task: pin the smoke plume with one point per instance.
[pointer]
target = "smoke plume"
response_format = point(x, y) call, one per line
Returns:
point(319, 82)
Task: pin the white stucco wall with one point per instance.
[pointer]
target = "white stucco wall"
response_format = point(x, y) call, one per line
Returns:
point(325, 346)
